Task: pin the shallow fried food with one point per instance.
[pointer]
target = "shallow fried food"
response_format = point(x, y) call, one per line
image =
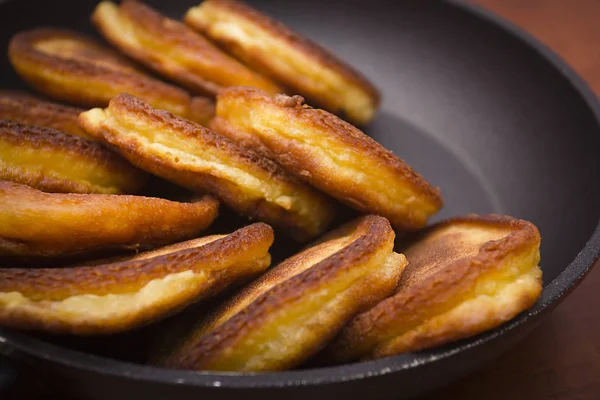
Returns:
point(74, 68)
point(172, 49)
point(465, 276)
point(30, 110)
point(54, 161)
point(201, 160)
point(300, 65)
point(329, 154)
point(289, 313)
point(35, 224)
point(116, 297)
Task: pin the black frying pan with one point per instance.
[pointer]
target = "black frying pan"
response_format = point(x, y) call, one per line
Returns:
point(495, 119)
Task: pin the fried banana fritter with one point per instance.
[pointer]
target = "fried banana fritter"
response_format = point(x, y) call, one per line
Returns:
point(330, 154)
point(116, 297)
point(465, 276)
point(34, 224)
point(27, 109)
point(74, 68)
point(172, 49)
point(292, 311)
point(300, 65)
point(201, 160)
point(54, 161)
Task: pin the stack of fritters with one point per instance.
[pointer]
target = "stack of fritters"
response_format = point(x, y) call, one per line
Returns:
point(65, 173)
point(74, 68)
point(172, 49)
point(292, 311)
point(201, 160)
point(115, 297)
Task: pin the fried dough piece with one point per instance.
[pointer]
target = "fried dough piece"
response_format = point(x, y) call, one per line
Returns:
point(201, 160)
point(74, 68)
point(293, 310)
point(116, 297)
point(54, 161)
point(300, 65)
point(330, 154)
point(172, 49)
point(34, 224)
point(30, 110)
point(465, 276)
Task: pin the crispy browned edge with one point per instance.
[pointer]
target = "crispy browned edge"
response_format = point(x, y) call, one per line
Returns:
point(18, 105)
point(67, 282)
point(38, 137)
point(458, 275)
point(21, 45)
point(343, 131)
point(376, 231)
point(300, 43)
point(224, 128)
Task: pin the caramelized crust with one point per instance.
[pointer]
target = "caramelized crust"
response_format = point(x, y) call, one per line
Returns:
point(330, 154)
point(119, 296)
point(73, 68)
point(22, 107)
point(289, 313)
point(172, 49)
point(201, 160)
point(53, 161)
point(34, 224)
point(466, 275)
point(297, 63)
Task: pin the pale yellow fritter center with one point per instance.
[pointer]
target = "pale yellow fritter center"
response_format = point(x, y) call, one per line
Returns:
point(110, 309)
point(38, 164)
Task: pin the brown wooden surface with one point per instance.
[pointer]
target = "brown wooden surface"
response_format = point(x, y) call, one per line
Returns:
point(560, 360)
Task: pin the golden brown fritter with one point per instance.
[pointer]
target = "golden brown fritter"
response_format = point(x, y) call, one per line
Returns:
point(330, 154)
point(201, 160)
point(34, 224)
point(30, 110)
point(300, 65)
point(119, 296)
point(172, 49)
point(293, 310)
point(54, 161)
point(465, 276)
point(74, 68)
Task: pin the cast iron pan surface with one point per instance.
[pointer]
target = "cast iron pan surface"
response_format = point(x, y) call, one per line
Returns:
point(479, 108)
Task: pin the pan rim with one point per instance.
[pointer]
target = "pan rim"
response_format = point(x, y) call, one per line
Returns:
point(568, 279)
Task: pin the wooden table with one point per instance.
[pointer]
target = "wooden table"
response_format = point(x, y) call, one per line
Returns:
point(560, 360)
